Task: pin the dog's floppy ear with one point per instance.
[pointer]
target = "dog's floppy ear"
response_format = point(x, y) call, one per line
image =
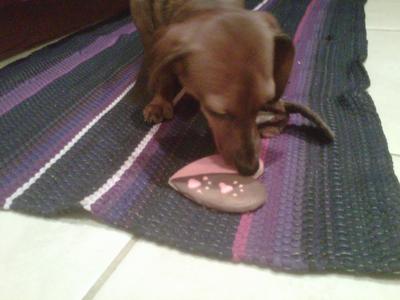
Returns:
point(170, 47)
point(283, 61)
point(284, 53)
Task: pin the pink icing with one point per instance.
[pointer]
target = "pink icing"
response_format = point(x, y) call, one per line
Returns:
point(213, 164)
point(193, 184)
point(225, 188)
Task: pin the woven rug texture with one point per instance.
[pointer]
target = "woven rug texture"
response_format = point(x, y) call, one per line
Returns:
point(72, 139)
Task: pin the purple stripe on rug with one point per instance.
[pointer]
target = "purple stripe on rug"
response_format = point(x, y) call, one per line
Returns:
point(52, 141)
point(36, 83)
point(279, 244)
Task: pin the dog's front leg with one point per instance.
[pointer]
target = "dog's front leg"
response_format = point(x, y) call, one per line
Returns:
point(158, 110)
point(160, 107)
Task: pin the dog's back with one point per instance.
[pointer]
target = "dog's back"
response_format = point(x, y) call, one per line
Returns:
point(150, 15)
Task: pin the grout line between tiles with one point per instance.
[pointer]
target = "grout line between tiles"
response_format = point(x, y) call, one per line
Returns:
point(395, 155)
point(109, 270)
point(383, 29)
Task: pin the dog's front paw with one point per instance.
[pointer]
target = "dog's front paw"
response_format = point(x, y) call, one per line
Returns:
point(156, 113)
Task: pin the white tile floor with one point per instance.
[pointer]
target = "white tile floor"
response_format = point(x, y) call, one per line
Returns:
point(73, 258)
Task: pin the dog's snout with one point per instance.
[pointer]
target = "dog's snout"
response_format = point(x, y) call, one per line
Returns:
point(247, 169)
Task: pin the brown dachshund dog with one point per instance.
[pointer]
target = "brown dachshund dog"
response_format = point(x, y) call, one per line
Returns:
point(235, 62)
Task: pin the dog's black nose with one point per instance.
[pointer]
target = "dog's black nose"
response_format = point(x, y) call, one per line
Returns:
point(248, 169)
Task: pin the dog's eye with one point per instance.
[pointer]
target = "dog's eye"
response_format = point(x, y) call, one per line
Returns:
point(222, 116)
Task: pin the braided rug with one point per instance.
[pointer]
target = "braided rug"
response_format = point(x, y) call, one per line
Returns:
point(72, 139)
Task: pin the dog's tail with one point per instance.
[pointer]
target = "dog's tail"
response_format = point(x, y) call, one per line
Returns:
point(307, 113)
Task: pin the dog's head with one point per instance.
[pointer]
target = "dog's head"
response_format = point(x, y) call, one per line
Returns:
point(234, 63)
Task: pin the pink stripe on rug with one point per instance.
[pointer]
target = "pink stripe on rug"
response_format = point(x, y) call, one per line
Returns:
point(303, 22)
point(239, 245)
point(242, 233)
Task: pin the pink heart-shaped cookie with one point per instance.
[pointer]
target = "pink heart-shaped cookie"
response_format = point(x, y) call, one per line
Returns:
point(213, 184)
point(193, 184)
point(225, 188)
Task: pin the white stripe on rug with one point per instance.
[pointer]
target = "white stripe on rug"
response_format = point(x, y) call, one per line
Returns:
point(260, 5)
point(62, 152)
point(112, 181)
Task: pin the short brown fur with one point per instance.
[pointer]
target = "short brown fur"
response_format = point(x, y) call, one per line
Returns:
point(235, 62)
